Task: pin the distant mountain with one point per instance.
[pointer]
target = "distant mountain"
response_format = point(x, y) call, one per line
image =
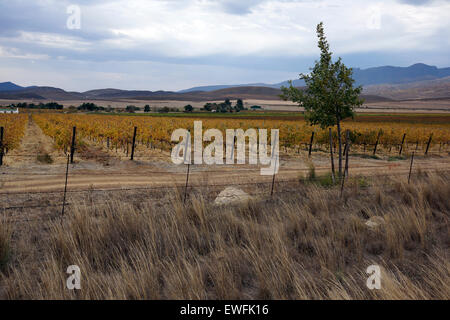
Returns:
point(9, 86)
point(49, 93)
point(364, 77)
point(396, 75)
point(224, 86)
point(10, 95)
point(416, 81)
point(428, 89)
point(117, 93)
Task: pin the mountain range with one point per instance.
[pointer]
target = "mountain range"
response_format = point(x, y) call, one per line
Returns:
point(379, 83)
point(364, 77)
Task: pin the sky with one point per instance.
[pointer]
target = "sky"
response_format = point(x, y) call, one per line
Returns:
point(81, 45)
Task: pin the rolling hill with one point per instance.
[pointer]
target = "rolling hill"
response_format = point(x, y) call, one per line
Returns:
point(364, 77)
point(418, 81)
point(9, 86)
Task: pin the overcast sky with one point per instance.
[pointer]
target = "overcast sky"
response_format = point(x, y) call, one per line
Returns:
point(177, 44)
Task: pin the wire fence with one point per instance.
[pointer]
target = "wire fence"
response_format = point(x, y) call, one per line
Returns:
point(204, 186)
point(376, 180)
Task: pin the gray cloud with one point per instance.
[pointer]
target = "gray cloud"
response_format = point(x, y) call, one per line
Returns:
point(416, 2)
point(242, 40)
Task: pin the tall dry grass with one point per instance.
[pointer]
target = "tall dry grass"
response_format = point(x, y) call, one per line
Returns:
point(304, 245)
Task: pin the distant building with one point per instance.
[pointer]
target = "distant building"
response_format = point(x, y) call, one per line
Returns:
point(9, 110)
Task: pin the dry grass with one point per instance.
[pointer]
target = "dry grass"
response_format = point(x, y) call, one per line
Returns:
point(308, 245)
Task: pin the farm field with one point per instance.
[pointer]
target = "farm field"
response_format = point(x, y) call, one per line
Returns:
point(111, 199)
point(37, 155)
point(224, 159)
point(276, 105)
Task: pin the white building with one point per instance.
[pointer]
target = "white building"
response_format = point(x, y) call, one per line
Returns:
point(9, 110)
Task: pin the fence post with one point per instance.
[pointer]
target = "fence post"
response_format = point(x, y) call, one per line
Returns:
point(310, 144)
point(345, 170)
point(347, 150)
point(273, 178)
point(401, 146)
point(65, 186)
point(187, 182)
point(428, 144)
point(376, 143)
point(1, 145)
point(331, 155)
point(410, 167)
point(187, 157)
point(134, 143)
point(72, 147)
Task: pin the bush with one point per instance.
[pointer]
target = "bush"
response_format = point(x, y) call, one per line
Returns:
point(44, 158)
point(89, 106)
point(132, 109)
point(164, 110)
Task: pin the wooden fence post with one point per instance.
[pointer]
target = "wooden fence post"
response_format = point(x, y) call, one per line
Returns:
point(347, 150)
point(273, 178)
point(1, 145)
point(187, 182)
point(65, 186)
point(345, 170)
point(376, 143)
point(187, 158)
point(310, 144)
point(401, 146)
point(72, 147)
point(410, 167)
point(428, 144)
point(134, 143)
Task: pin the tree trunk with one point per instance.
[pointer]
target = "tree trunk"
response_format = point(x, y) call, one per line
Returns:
point(340, 146)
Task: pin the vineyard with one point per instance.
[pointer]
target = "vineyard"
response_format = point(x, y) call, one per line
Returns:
point(14, 129)
point(116, 132)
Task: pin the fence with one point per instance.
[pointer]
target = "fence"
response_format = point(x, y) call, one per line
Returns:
point(266, 189)
point(186, 188)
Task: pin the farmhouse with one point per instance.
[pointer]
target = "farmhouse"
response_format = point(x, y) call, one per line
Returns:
point(9, 110)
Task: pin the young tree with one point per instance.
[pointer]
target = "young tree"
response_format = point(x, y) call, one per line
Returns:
point(329, 96)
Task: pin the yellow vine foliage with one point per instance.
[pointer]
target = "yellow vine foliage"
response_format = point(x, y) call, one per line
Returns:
point(156, 131)
point(14, 129)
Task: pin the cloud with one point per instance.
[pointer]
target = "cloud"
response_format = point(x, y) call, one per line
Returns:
point(17, 54)
point(268, 35)
point(416, 2)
